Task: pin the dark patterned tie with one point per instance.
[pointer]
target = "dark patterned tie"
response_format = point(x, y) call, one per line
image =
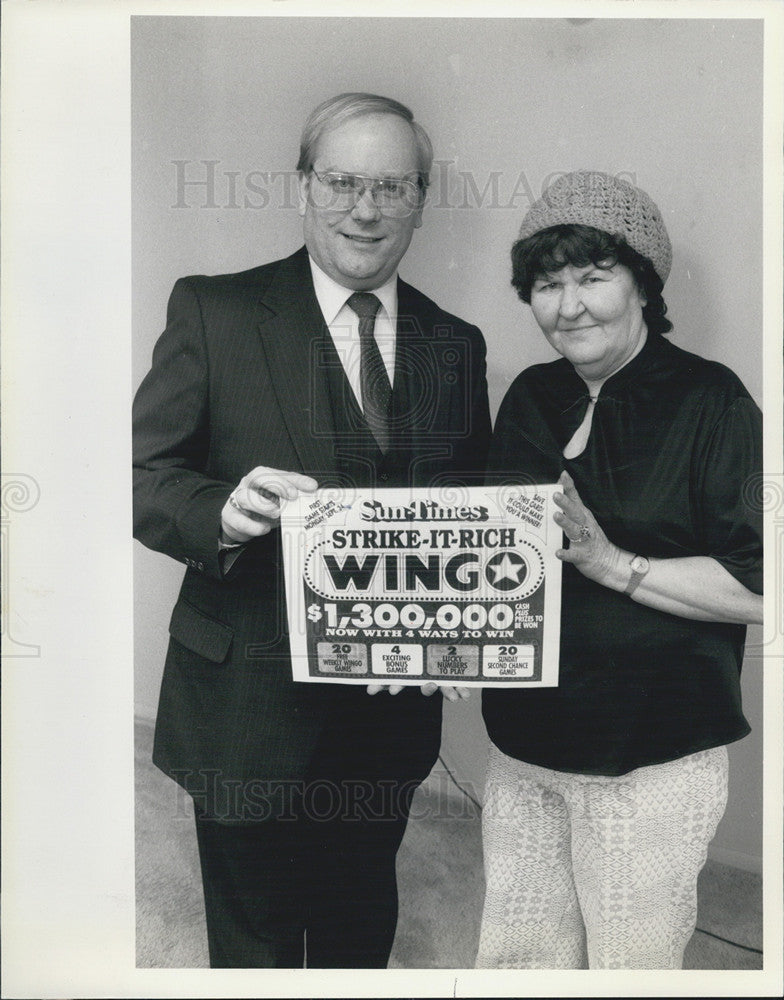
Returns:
point(373, 379)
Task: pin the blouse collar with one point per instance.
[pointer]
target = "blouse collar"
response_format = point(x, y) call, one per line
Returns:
point(614, 384)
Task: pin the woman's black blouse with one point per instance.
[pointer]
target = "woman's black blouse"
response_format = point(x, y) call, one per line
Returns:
point(672, 468)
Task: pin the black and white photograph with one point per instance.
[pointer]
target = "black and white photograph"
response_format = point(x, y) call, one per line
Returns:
point(273, 255)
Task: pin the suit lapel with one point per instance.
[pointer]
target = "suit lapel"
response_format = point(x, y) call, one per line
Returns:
point(422, 393)
point(293, 335)
point(296, 343)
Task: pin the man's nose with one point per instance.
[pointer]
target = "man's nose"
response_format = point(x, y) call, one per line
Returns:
point(365, 209)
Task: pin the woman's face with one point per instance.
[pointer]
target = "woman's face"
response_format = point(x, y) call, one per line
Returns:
point(591, 315)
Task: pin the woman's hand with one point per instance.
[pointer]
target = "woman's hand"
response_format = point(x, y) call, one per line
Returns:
point(696, 587)
point(590, 551)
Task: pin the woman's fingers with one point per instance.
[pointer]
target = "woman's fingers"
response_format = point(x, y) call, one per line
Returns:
point(574, 518)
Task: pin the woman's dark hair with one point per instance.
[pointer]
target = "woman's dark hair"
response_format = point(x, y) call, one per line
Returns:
point(551, 249)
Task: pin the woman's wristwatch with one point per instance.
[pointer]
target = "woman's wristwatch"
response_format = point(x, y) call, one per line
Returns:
point(639, 567)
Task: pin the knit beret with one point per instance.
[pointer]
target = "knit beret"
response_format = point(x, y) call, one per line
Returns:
point(591, 198)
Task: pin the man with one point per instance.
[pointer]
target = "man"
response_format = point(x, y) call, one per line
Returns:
point(265, 384)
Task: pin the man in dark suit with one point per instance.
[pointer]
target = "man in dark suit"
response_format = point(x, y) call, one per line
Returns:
point(264, 384)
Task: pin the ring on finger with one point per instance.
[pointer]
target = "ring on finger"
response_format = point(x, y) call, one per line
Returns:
point(585, 532)
point(234, 504)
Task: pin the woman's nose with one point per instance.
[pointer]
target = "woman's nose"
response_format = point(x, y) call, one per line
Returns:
point(571, 304)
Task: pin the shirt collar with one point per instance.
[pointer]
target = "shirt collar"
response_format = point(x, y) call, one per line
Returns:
point(332, 296)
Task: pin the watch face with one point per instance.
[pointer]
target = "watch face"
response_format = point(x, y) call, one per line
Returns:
point(640, 564)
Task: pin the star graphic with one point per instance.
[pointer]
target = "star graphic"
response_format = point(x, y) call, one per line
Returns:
point(504, 568)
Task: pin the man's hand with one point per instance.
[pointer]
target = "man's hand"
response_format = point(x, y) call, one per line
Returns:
point(253, 509)
point(392, 688)
point(449, 692)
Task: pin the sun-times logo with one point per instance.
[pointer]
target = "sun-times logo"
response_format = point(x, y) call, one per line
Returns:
point(421, 510)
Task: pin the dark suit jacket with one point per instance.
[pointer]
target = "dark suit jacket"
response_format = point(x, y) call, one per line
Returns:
point(236, 383)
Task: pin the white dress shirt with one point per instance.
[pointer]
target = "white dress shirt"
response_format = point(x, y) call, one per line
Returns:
point(343, 324)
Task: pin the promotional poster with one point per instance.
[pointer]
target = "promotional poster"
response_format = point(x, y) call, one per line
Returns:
point(412, 587)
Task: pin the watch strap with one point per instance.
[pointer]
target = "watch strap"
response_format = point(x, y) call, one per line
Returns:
point(637, 574)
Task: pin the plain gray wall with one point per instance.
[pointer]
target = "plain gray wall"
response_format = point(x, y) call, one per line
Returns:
point(674, 105)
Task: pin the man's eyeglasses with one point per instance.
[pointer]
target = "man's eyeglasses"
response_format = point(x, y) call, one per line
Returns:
point(393, 196)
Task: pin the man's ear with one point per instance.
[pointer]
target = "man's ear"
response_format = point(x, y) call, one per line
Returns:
point(303, 188)
point(420, 210)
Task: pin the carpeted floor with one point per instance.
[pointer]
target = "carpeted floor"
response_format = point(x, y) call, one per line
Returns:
point(439, 875)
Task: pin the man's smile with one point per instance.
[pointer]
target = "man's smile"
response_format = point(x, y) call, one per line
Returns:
point(362, 239)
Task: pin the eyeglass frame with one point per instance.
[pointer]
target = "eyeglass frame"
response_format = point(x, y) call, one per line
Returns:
point(420, 186)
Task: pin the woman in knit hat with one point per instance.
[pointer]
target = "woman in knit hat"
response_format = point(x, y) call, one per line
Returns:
point(604, 793)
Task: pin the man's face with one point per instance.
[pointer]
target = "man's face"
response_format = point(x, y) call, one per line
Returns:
point(359, 247)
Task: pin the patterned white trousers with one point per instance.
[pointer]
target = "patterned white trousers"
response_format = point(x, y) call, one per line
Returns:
point(588, 871)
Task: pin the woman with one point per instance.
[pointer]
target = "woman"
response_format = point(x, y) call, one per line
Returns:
point(604, 793)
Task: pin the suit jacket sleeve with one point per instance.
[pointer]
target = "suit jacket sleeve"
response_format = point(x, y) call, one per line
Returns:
point(177, 505)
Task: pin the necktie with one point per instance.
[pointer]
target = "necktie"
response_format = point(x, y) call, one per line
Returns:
point(373, 378)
